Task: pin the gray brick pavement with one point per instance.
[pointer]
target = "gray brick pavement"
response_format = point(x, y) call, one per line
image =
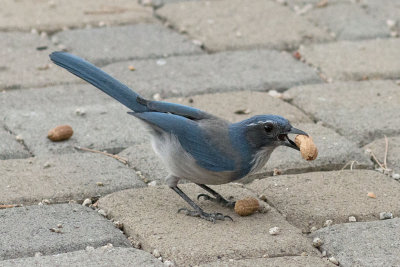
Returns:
point(62, 178)
point(234, 24)
point(26, 231)
point(257, 70)
point(125, 43)
point(360, 111)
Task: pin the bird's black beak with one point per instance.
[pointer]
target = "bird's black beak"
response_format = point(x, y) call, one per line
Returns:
point(288, 142)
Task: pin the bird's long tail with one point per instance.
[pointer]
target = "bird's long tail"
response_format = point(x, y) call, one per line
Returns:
point(98, 78)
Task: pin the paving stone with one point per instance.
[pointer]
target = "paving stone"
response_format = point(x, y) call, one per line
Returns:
point(257, 70)
point(125, 42)
point(393, 154)
point(335, 152)
point(26, 230)
point(363, 244)
point(105, 124)
point(345, 60)
point(349, 22)
point(46, 16)
point(228, 105)
point(63, 177)
point(234, 24)
point(224, 105)
point(149, 217)
point(375, 113)
point(384, 10)
point(308, 261)
point(310, 199)
point(101, 257)
point(9, 147)
point(25, 61)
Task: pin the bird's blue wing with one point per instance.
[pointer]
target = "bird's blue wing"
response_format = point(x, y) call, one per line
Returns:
point(192, 138)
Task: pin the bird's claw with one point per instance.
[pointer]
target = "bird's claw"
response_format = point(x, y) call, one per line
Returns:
point(212, 217)
point(222, 201)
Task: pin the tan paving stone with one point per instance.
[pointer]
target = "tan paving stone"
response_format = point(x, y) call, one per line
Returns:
point(149, 217)
point(305, 261)
point(346, 60)
point(54, 15)
point(393, 153)
point(25, 61)
point(61, 178)
point(227, 105)
point(312, 198)
point(360, 111)
point(236, 24)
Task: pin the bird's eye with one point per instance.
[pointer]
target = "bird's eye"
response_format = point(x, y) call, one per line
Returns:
point(268, 127)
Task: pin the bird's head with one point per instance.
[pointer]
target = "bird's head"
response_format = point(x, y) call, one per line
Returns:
point(270, 131)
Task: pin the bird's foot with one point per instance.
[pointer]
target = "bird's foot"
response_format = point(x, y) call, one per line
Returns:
point(212, 217)
point(219, 200)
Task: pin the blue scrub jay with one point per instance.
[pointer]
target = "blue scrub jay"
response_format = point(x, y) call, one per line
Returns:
point(193, 144)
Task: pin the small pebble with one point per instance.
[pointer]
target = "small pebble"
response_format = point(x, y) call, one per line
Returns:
point(385, 215)
point(80, 112)
point(46, 201)
point(89, 248)
point(19, 138)
point(169, 263)
point(102, 212)
point(100, 184)
point(55, 230)
point(333, 260)
point(47, 165)
point(391, 23)
point(59, 225)
point(313, 229)
point(371, 195)
point(263, 197)
point(152, 183)
point(108, 246)
point(304, 254)
point(328, 223)
point(197, 42)
point(274, 230)
point(396, 176)
point(87, 202)
point(118, 224)
point(38, 254)
point(276, 172)
point(275, 94)
point(317, 242)
point(324, 253)
point(131, 68)
point(156, 253)
point(157, 96)
point(352, 219)
point(161, 62)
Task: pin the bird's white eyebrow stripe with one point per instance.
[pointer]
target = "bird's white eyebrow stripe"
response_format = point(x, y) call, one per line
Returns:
point(256, 123)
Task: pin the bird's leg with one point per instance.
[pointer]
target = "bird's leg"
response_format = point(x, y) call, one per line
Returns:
point(198, 212)
point(218, 198)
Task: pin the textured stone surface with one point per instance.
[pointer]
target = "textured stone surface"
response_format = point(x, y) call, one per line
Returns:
point(101, 257)
point(334, 153)
point(224, 105)
point(308, 261)
point(125, 42)
point(104, 126)
point(234, 24)
point(26, 230)
point(257, 70)
point(63, 177)
point(345, 60)
point(25, 61)
point(363, 244)
point(312, 198)
point(227, 105)
point(393, 153)
point(149, 216)
point(360, 111)
point(58, 14)
point(348, 22)
point(9, 147)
